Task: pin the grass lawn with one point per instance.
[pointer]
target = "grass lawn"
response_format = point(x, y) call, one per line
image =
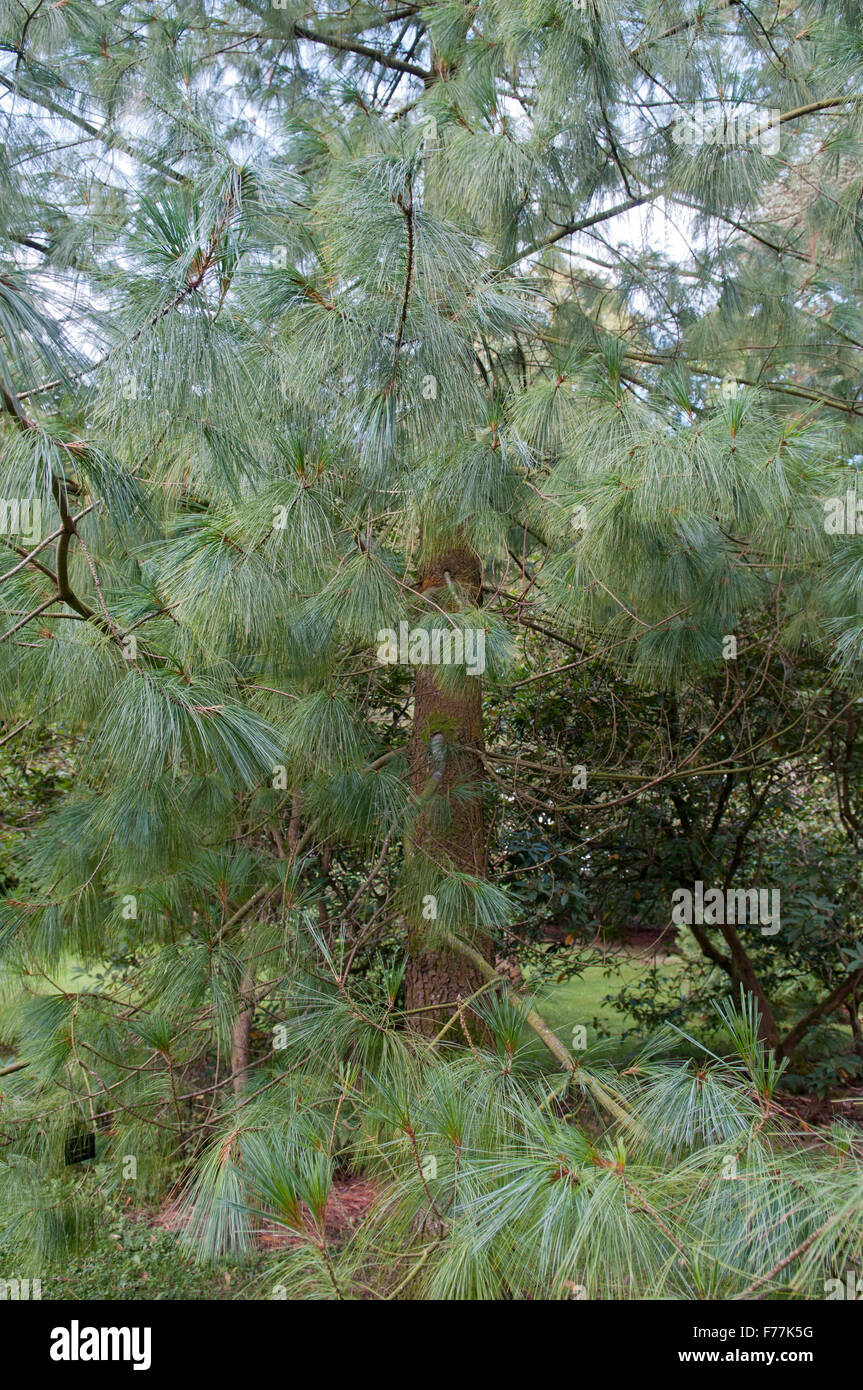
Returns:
point(585, 1001)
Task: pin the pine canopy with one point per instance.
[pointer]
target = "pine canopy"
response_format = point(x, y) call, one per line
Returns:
point(529, 332)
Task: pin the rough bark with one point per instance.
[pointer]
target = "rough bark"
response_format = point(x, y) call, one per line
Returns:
point(454, 831)
point(241, 1037)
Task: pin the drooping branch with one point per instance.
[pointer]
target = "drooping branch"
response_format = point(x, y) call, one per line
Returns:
point(375, 55)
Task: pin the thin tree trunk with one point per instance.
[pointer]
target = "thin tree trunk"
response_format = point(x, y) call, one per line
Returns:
point(241, 1036)
point(743, 973)
point(451, 826)
point(294, 824)
point(822, 1010)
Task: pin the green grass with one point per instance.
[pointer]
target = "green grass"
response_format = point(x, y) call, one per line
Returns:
point(586, 1001)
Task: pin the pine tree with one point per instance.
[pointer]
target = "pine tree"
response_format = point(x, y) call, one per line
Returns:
point(340, 356)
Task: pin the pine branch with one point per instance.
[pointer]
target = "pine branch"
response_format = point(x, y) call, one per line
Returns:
point(375, 55)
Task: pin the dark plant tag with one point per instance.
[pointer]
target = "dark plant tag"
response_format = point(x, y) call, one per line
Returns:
point(80, 1147)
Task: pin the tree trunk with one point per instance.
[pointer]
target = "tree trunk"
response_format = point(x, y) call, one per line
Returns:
point(451, 824)
point(743, 973)
point(241, 1036)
